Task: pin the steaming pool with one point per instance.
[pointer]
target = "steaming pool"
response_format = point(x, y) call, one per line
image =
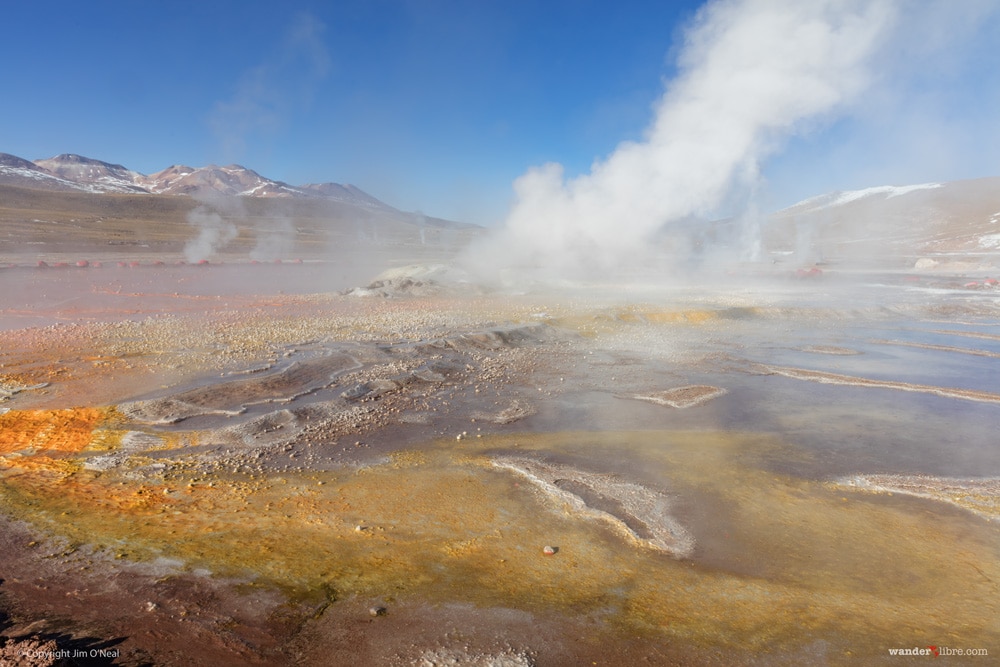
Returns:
point(789, 475)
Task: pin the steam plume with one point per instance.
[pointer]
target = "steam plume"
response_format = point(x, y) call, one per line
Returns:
point(751, 71)
point(214, 231)
point(213, 234)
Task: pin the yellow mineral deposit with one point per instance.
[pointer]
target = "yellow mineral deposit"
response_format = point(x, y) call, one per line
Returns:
point(29, 432)
point(792, 557)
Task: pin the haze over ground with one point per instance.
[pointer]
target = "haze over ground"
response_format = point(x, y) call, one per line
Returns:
point(440, 107)
point(226, 438)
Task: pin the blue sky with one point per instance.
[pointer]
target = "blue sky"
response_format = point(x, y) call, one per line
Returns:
point(438, 105)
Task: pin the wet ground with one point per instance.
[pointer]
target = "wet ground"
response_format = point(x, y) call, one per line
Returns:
point(776, 473)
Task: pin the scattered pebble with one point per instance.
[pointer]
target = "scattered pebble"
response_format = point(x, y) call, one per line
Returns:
point(550, 551)
point(377, 611)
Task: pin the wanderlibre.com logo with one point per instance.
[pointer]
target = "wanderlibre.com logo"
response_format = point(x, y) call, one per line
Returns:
point(937, 651)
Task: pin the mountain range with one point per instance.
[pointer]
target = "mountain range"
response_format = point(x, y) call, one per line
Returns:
point(896, 224)
point(57, 208)
point(69, 172)
point(955, 218)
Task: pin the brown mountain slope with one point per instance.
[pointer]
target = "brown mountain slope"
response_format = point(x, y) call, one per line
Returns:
point(907, 222)
point(43, 223)
point(76, 172)
point(100, 176)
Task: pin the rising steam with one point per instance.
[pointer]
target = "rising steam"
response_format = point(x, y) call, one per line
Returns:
point(751, 71)
point(212, 220)
point(214, 233)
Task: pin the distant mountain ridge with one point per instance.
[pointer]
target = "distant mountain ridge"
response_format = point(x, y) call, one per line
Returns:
point(76, 172)
point(99, 176)
point(841, 197)
point(927, 219)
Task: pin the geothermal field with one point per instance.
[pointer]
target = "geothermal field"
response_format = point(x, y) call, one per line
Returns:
point(623, 403)
point(373, 458)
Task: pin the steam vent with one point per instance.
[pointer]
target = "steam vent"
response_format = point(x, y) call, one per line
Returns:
point(692, 360)
point(529, 478)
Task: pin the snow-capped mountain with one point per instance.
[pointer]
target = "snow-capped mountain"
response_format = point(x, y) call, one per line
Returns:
point(232, 180)
point(93, 175)
point(907, 220)
point(842, 197)
point(24, 173)
point(75, 172)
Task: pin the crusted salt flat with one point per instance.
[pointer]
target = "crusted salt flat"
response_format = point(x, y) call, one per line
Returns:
point(980, 495)
point(639, 513)
point(232, 397)
point(682, 397)
point(9, 388)
point(830, 349)
point(443, 657)
point(516, 411)
point(835, 378)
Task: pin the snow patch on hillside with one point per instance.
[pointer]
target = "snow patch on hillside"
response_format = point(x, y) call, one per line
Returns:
point(846, 197)
point(989, 241)
point(889, 191)
point(42, 177)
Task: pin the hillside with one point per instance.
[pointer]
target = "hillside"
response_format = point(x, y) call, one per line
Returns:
point(69, 206)
point(55, 225)
point(954, 221)
point(76, 172)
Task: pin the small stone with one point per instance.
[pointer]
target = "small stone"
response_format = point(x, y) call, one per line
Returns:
point(377, 611)
point(549, 551)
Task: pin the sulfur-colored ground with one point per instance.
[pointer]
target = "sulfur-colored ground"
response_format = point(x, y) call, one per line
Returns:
point(269, 537)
